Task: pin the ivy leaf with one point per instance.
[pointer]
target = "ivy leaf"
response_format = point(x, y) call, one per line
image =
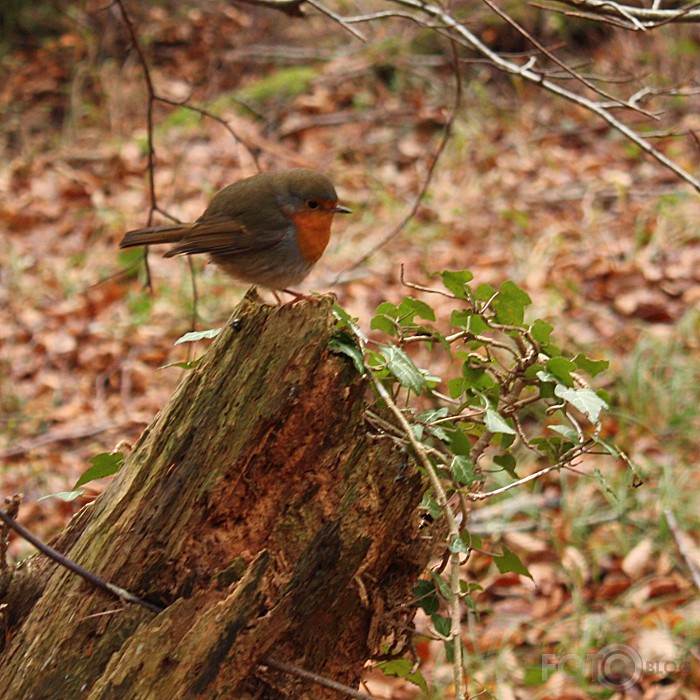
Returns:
point(66, 496)
point(384, 318)
point(459, 442)
point(507, 461)
point(469, 321)
point(402, 367)
point(458, 546)
point(442, 624)
point(584, 399)
point(426, 596)
point(193, 336)
point(185, 364)
point(343, 344)
point(495, 424)
point(409, 308)
point(457, 282)
point(463, 471)
point(102, 465)
point(484, 292)
point(510, 304)
point(442, 586)
point(509, 562)
point(592, 367)
point(565, 431)
point(401, 668)
point(540, 331)
point(561, 368)
point(345, 320)
point(430, 505)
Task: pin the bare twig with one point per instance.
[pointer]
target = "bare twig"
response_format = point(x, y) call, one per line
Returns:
point(682, 543)
point(337, 18)
point(632, 16)
point(89, 576)
point(56, 436)
point(314, 677)
point(446, 134)
point(464, 36)
point(576, 75)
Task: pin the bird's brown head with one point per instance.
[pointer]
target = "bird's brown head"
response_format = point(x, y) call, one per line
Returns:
point(309, 199)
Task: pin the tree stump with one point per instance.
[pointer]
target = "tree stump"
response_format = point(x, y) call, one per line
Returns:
point(259, 511)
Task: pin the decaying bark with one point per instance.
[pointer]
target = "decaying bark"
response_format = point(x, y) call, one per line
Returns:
point(258, 511)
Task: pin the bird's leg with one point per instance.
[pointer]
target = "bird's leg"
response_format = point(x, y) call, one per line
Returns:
point(298, 296)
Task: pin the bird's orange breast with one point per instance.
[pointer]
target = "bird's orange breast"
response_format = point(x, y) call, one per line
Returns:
point(313, 231)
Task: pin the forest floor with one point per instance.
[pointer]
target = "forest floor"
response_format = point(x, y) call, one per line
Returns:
point(603, 239)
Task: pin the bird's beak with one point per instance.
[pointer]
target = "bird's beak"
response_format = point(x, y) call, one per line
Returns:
point(339, 209)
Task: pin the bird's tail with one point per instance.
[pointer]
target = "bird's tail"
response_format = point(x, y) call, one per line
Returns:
point(170, 233)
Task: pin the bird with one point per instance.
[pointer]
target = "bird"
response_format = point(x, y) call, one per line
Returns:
point(269, 229)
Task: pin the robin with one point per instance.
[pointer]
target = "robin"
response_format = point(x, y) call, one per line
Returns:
point(269, 229)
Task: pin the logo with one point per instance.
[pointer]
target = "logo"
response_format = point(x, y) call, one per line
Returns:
point(616, 666)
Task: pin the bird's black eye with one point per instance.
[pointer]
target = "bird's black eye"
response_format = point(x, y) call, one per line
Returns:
point(312, 204)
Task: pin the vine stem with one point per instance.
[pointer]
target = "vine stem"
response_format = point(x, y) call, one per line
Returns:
point(453, 534)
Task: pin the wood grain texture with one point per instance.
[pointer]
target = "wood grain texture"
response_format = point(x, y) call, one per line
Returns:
point(259, 511)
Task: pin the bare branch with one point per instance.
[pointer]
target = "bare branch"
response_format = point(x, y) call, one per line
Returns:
point(89, 576)
point(631, 16)
point(465, 37)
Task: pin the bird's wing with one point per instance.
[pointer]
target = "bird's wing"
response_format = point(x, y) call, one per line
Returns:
point(222, 236)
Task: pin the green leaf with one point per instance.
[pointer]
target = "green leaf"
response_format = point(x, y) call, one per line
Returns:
point(458, 546)
point(507, 461)
point(463, 471)
point(484, 292)
point(409, 308)
point(561, 368)
point(426, 596)
point(345, 320)
point(565, 431)
point(469, 321)
point(66, 496)
point(540, 331)
point(509, 562)
point(383, 324)
point(495, 423)
point(456, 387)
point(592, 367)
point(584, 399)
point(458, 441)
point(476, 378)
point(103, 464)
point(402, 367)
point(510, 304)
point(342, 343)
point(610, 449)
point(194, 336)
point(442, 624)
point(401, 668)
point(430, 505)
point(442, 586)
point(433, 414)
point(185, 364)
point(472, 542)
point(457, 282)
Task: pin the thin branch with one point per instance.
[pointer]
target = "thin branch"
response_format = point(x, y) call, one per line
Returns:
point(561, 464)
point(446, 135)
point(638, 18)
point(458, 31)
point(576, 75)
point(682, 543)
point(314, 677)
point(89, 576)
point(339, 19)
point(56, 436)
